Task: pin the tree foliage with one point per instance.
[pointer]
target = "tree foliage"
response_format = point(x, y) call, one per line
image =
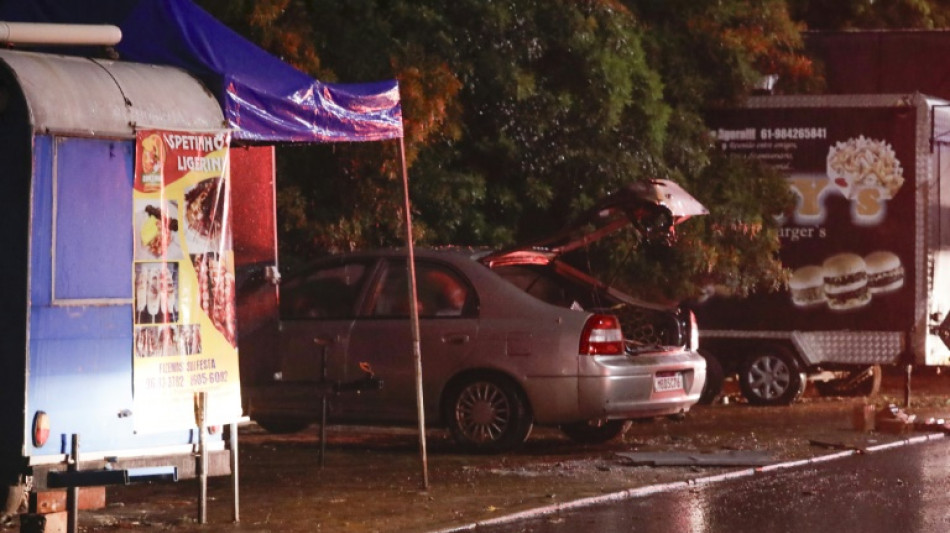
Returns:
point(520, 114)
point(871, 14)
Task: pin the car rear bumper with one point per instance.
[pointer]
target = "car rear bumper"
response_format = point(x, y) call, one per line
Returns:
point(623, 388)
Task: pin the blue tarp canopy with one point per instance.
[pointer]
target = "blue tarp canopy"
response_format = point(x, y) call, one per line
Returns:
point(263, 98)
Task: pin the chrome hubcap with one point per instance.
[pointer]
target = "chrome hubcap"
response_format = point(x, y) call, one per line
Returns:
point(769, 377)
point(483, 412)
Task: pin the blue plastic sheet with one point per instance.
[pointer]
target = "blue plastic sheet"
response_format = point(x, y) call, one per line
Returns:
point(263, 98)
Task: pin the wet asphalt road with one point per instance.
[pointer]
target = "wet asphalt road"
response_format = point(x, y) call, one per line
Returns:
point(904, 489)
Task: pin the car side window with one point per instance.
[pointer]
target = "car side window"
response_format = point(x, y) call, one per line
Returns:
point(441, 292)
point(329, 292)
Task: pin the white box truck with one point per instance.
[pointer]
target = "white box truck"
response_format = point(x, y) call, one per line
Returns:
point(867, 244)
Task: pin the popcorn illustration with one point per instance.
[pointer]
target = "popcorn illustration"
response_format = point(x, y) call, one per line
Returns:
point(862, 163)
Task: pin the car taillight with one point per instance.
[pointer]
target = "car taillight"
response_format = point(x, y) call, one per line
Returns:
point(602, 336)
point(693, 332)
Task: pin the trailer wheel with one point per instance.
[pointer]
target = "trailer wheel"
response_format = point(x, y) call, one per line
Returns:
point(487, 414)
point(771, 376)
point(714, 379)
point(861, 382)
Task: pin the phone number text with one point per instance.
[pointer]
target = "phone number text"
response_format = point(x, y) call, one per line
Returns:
point(793, 133)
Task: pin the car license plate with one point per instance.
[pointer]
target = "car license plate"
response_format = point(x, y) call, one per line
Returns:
point(667, 381)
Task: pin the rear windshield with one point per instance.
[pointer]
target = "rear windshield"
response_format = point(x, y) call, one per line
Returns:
point(546, 285)
point(641, 326)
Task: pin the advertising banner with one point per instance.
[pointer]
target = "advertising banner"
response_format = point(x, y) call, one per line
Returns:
point(183, 281)
point(849, 241)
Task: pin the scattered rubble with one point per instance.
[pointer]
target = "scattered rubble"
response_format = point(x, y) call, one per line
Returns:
point(719, 458)
point(371, 480)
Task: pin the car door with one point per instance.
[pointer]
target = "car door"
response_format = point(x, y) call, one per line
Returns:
point(317, 313)
point(382, 336)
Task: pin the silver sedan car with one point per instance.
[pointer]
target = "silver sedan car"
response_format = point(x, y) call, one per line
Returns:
point(497, 356)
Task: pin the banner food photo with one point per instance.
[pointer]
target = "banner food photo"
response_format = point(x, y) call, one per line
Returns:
point(183, 279)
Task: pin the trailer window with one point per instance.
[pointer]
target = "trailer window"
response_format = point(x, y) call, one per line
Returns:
point(92, 209)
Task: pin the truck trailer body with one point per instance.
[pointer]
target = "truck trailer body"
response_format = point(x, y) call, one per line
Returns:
point(866, 245)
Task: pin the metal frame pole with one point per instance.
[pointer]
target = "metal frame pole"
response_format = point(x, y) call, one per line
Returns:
point(202, 458)
point(233, 437)
point(414, 312)
point(72, 493)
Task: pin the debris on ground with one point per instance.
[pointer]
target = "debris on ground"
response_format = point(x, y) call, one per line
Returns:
point(370, 482)
point(932, 424)
point(863, 417)
point(720, 458)
point(892, 419)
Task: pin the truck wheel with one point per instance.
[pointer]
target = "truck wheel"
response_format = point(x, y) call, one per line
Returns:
point(771, 377)
point(714, 379)
point(861, 382)
point(585, 433)
point(487, 414)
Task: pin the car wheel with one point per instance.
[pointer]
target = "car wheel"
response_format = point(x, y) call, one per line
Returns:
point(488, 414)
point(771, 377)
point(862, 382)
point(281, 425)
point(585, 433)
point(714, 379)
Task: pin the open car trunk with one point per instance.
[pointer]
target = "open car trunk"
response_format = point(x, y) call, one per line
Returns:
point(653, 208)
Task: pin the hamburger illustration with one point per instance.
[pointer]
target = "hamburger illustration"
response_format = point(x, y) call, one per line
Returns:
point(807, 286)
point(846, 282)
point(885, 272)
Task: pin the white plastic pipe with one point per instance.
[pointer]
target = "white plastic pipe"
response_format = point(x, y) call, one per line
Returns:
point(59, 34)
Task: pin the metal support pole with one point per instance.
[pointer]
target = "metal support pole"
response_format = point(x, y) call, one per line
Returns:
point(909, 370)
point(72, 493)
point(323, 431)
point(323, 408)
point(323, 344)
point(414, 320)
point(234, 471)
point(202, 463)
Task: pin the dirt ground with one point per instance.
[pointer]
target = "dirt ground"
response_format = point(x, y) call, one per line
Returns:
point(372, 479)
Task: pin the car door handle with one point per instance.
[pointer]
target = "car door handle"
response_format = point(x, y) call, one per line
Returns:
point(456, 338)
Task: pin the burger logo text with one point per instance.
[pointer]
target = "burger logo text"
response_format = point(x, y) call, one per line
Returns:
point(868, 206)
point(865, 171)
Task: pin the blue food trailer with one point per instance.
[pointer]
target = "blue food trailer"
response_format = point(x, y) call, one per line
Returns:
point(75, 353)
point(91, 352)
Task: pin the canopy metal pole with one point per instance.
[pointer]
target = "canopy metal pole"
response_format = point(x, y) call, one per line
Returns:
point(414, 318)
point(235, 462)
point(202, 463)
